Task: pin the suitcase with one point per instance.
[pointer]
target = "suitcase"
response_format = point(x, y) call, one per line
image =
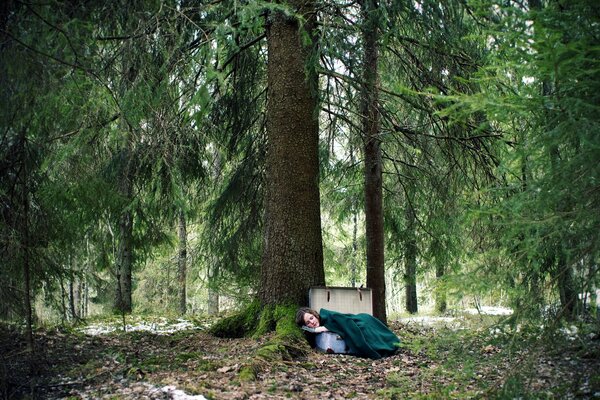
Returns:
point(332, 343)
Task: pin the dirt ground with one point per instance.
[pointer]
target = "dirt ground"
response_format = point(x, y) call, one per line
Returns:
point(193, 364)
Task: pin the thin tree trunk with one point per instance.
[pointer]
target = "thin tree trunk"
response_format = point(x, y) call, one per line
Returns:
point(182, 263)
point(293, 250)
point(63, 303)
point(441, 304)
point(373, 162)
point(26, 266)
point(354, 266)
point(563, 271)
point(212, 269)
point(25, 253)
point(81, 296)
point(213, 293)
point(354, 262)
point(411, 262)
point(124, 261)
point(72, 300)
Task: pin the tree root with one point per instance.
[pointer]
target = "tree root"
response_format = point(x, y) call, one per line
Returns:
point(286, 345)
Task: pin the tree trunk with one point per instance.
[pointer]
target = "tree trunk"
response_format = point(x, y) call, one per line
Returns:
point(566, 286)
point(182, 263)
point(293, 251)
point(72, 300)
point(563, 269)
point(213, 293)
point(25, 253)
point(212, 269)
point(124, 263)
point(354, 266)
point(355, 206)
point(411, 263)
point(441, 304)
point(373, 163)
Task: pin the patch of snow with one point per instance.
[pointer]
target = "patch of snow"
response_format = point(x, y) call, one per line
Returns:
point(570, 332)
point(590, 297)
point(429, 320)
point(160, 327)
point(177, 394)
point(487, 310)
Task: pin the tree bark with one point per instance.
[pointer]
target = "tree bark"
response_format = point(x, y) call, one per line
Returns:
point(293, 251)
point(25, 253)
point(124, 263)
point(125, 253)
point(72, 300)
point(182, 263)
point(411, 263)
point(373, 162)
point(123, 302)
point(441, 305)
point(213, 293)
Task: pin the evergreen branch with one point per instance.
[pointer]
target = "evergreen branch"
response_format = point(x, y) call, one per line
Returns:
point(433, 49)
point(44, 20)
point(50, 56)
point(241, 49)
point(342, 117)
point(74, 132)
point(354, 82)
point(387, 156)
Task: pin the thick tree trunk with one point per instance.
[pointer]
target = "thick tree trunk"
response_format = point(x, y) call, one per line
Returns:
point(293, 251)
point(182, 263)
point(373, 163)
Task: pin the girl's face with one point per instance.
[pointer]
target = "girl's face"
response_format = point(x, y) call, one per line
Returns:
point(310, 320)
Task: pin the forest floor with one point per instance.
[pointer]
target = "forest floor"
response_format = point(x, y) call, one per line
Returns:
point(477, 359)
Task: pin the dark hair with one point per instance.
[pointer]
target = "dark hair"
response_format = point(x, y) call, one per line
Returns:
point(305, 310)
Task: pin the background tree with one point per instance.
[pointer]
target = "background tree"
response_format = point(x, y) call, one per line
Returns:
point(373, 163)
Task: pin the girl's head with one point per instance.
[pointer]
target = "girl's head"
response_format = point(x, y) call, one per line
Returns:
point(308, 317)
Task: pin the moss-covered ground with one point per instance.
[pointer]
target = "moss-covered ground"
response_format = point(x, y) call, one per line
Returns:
point(480, 360)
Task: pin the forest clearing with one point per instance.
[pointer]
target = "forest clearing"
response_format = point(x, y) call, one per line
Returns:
point(479, 358)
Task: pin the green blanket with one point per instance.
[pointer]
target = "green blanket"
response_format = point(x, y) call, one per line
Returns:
point(364, 334)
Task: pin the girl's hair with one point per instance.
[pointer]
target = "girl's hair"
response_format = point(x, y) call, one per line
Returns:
point(305, 310)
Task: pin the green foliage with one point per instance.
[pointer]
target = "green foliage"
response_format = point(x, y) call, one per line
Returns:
point(489, 130)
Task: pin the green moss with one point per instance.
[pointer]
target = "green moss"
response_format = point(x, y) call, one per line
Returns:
point(308, 365)
point(240, 324)
point(272, 352)
point(183, 357)
point(247, 373)
point(266, 323)
point(207, 366)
